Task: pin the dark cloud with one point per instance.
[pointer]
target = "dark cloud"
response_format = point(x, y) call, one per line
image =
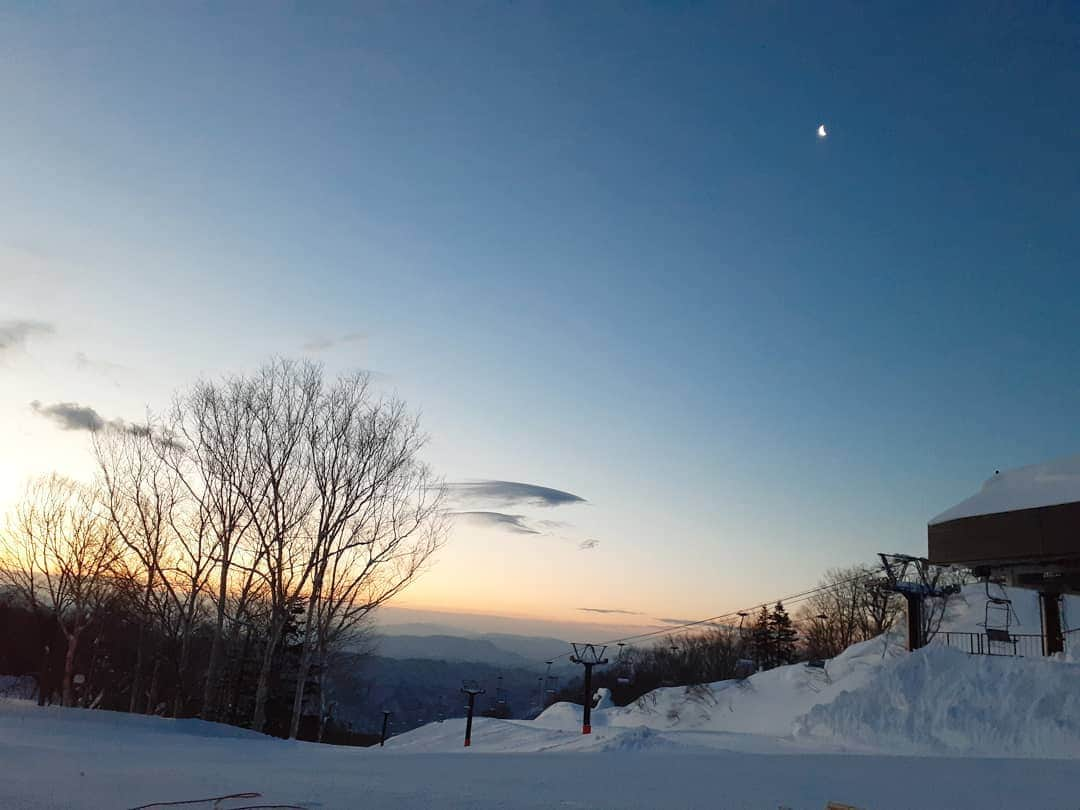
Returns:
point(611, 610)
point(498, 520)
point(322, 344)
point(585, 545)
point(510, 493)
point(14, 334)
point(70, 415)
point(73, 416)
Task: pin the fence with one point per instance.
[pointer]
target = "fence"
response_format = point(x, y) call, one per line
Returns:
point(1022, 645)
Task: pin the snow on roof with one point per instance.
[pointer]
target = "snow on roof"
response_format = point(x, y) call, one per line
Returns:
point(1048, 484)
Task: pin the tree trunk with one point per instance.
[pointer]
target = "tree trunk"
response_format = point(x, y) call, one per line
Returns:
point(180, 698)
point(151, 699)
point(322, 696)
point(233, 700)
point(212, 688)
point(305, 661)
point(45, 676)
point(262, 691)
point(69, 668)
point(136, 677)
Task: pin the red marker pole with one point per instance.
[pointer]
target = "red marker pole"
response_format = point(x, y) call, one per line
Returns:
point(586, 718)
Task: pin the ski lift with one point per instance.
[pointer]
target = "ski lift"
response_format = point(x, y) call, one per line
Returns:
point(998, 620)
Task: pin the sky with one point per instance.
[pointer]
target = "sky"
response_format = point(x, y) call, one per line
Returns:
point(600, 247)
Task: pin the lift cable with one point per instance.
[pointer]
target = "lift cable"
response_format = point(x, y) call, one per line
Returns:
point(792, 599)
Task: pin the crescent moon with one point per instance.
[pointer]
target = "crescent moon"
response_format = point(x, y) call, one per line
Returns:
point(821, 133)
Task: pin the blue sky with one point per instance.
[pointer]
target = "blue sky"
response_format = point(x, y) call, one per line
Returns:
point(600, 246)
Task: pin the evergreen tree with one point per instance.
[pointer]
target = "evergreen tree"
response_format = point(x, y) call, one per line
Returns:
point(761, 641)
point(784, 635)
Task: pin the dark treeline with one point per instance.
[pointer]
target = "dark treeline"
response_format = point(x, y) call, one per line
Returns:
point(226, 556)
point(714, 653)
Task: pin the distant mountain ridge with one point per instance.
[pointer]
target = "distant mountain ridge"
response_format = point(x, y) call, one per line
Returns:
point(450, 648)
point(496, 649)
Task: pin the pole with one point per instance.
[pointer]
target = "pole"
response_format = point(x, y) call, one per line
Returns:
point(586, 718)
point(385, 723)
point(588, 656)
point(472, 689)
point(468, 720)
point(1051, 618)
point(914, 619)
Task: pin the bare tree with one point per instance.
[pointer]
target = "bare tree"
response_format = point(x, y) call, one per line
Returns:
point(184, 573)
point(206, 445)
point(852, 606)
point(139, 497)
point(375, 520)
point(947, 582)
point(63, 555)
point(881, 607)
point(279, 401)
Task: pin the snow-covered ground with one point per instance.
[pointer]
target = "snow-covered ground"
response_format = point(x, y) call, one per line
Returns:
point(71, 758)
point(878, 728)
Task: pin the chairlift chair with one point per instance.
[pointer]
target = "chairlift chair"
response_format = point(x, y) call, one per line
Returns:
point(998, 620)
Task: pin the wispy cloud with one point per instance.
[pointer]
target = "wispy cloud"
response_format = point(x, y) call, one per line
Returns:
point(553, 525)
point(321, 344)
point(585, 545)
point(510, 493)
point(498, 520)
point(15, 334)
point(611, 610)
point(84, 362)
point(698, 622)
point(73, 416)
point(70, 415)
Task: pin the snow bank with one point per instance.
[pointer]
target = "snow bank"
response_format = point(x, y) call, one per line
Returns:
point(1048, 484)
point(766, 703)
point(939, 700)
point(16, 713)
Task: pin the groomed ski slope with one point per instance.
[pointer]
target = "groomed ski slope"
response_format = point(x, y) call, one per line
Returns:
point(877, 729)
point(73, 758)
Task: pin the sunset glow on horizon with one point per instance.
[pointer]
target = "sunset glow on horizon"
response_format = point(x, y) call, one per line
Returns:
point(676, 355)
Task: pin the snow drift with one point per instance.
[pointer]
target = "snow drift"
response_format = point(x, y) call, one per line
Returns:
point(939, 700)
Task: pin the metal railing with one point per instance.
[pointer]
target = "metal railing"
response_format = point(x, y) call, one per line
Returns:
point(1022, 645)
